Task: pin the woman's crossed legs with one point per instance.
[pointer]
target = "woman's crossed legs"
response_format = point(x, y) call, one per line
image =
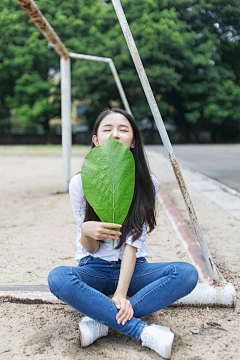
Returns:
point(153, 287)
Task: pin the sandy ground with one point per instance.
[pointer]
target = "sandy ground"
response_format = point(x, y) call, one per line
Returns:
point(37, 233)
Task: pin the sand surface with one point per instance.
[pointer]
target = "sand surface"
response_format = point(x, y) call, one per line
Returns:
point(37, 233)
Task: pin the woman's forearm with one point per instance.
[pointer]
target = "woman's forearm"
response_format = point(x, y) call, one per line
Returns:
point(89, 244)
point(95, 231)
point(126, 271)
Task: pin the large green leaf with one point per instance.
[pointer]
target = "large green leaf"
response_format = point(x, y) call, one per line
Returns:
point(108, 179)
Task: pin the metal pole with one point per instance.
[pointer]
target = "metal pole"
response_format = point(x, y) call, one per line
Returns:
point(114, 72)
point(163, 133)
point(41, 22)
point(66, 120)
point(89, 57)
point(119, 86)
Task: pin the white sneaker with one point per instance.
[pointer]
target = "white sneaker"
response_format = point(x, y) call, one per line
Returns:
point(158, 338)
point(90, 331)
point(86, 319)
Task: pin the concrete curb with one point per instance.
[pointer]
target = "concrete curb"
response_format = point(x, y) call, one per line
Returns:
point(186, 237)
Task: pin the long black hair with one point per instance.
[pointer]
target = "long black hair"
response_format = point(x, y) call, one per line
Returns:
point(142, 209)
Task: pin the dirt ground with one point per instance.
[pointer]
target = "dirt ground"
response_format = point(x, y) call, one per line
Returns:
point(37, 233)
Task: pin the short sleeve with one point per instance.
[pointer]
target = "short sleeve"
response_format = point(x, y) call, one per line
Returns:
point(78, 199)
point(139, 242)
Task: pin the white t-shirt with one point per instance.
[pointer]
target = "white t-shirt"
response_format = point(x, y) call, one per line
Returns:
point(105, 251)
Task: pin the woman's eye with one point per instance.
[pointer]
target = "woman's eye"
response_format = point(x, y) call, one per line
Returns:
point(106, 130)
point(124, 130)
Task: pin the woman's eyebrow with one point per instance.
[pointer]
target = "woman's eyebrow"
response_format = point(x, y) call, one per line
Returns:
point(124, 126)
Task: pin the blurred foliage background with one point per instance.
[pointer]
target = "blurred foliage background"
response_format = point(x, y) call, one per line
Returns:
point(190, 50)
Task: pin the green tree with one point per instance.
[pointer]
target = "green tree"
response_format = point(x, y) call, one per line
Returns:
point(25, 83)
point(190, 50)
point(35, 101)
point(28, 65)
point(210, 90)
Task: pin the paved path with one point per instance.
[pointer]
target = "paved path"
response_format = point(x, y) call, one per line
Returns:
point(226, 198)
point(219, 162)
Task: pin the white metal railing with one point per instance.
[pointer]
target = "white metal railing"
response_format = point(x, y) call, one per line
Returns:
point(114, 72)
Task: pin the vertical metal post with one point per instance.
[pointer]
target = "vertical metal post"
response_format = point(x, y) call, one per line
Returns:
point(41, 22)
point(66, 120)
point(163, 133)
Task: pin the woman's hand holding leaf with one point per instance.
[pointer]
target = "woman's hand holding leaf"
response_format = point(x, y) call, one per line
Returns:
point(100, 231)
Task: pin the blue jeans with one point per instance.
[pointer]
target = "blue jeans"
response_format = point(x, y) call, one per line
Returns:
point(153, 287)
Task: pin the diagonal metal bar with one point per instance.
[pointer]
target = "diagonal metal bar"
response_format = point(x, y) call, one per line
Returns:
point(114, 72)
point(119, 86)
point(163, 133)
point(41, 22)
point(187, 238)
